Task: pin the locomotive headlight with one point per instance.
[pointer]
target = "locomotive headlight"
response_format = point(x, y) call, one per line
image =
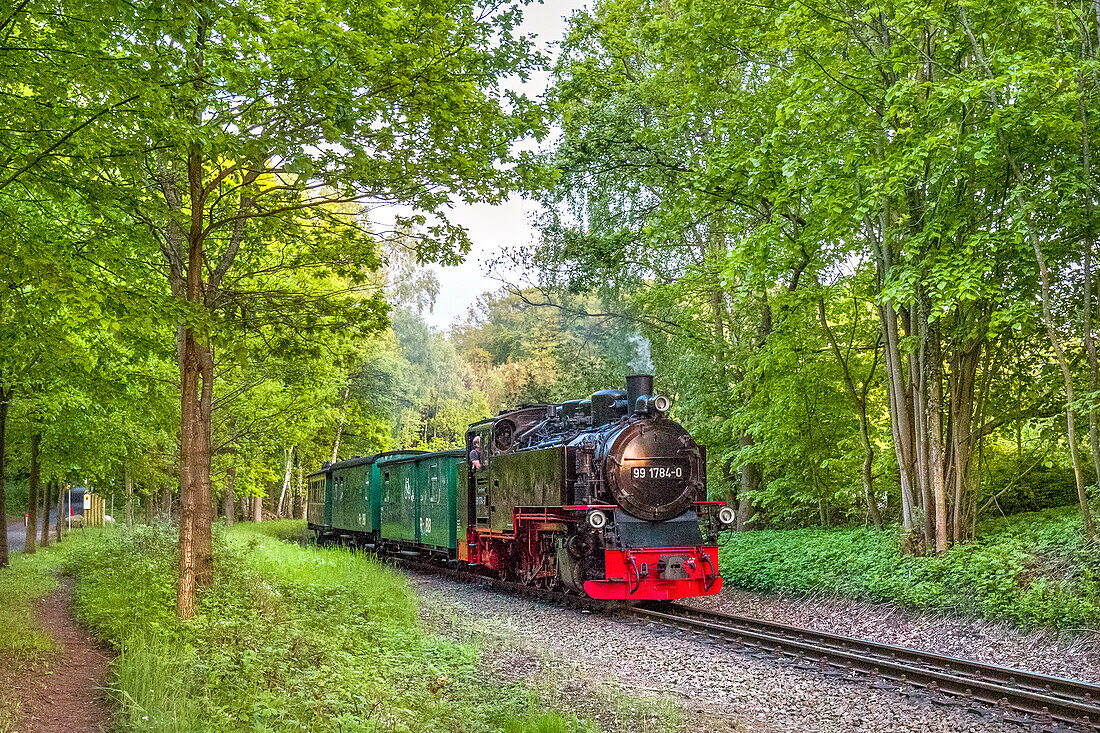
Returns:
point(597, 519)
point(726, 515)
point(661, 403)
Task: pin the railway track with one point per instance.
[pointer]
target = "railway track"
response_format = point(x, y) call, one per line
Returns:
point(1041, 699)
point(1023, 697)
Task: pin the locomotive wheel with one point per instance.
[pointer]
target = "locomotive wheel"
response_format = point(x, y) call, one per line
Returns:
point(571, 571)
point(580, 545)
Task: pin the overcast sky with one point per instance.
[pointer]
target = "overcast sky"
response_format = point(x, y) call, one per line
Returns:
point(494, 228)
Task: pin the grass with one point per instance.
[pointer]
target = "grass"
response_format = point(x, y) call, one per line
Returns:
point(1033, 569)
point(289, 638)
point(23, 645)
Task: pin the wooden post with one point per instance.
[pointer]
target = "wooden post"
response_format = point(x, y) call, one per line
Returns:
point(46, 495)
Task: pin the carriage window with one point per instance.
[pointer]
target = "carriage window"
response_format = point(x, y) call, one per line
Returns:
point(386, 495)
point(433, 487)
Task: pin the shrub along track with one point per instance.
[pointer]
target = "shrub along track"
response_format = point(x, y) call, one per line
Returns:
point(1024, 697)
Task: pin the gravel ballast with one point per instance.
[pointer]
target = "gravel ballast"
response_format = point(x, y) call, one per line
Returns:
point(578, 660)
point(1072, 654)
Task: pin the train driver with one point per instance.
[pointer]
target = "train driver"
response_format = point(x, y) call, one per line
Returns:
point(475, 454)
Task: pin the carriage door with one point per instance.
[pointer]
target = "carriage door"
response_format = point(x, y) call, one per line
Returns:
point(482, 494)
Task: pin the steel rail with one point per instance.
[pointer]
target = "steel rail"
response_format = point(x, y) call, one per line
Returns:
point(1040, 698)
point(1034, 695)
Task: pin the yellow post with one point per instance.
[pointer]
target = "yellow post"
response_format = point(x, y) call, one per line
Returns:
point(95, 509)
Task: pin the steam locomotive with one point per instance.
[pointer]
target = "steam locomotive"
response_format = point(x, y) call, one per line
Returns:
point(604, 496)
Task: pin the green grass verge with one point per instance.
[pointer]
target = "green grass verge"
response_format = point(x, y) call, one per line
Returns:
point(1033, 569)
point(289, 638)
point(28, 578)
point(23, 645)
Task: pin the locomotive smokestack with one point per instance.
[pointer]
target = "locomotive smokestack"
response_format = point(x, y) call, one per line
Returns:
point(637, 385)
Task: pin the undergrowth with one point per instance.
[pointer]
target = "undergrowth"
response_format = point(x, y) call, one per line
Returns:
point(1033, 569)
point(288, 638)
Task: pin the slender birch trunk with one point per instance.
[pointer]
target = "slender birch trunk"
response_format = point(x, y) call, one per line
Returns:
point(47, 494)
point(935, 444)
point(286, 481)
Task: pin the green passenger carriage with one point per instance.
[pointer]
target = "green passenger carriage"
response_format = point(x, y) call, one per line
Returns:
point(344, 499)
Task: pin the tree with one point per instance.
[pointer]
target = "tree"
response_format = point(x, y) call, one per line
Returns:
point(719, 160)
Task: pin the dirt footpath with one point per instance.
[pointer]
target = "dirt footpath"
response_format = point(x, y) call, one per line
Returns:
point(66, 694)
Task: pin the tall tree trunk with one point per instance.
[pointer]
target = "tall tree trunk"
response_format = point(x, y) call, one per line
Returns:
point(1090, 350)
point(34, 486)
point(1067, 378)
point(964, 443)
point(340, 425)
point(62, 489)
point(901, 423)
point(1086, 260)
point(246, 509)
point(918, 399)
point(47, 494)
point(286, 481)
point(230, 493)
point(935, 442)
point(195, 543)
point(5, 398)
point(867, 471)
point(258, 508)
point(196, 363)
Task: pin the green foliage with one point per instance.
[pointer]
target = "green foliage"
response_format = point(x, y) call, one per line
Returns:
point(522, 348)
point(1029, 569)
point(763, 209)
point(288, 638)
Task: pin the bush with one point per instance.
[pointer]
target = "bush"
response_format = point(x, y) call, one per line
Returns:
point(1029, 569)
point(1021, 486)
